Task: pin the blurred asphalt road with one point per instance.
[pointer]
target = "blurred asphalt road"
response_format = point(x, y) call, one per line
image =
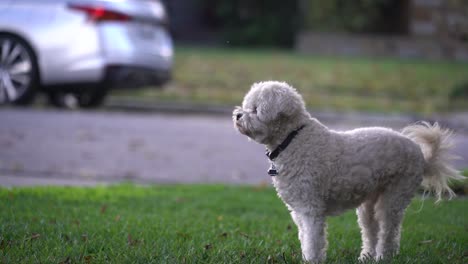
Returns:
point(40, 147)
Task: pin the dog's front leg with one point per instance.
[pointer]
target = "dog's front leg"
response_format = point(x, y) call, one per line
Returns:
point(314, 242)
point(297, 220)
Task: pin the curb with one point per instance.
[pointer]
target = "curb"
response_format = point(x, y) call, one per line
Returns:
point(143, 105)
point(455, 121)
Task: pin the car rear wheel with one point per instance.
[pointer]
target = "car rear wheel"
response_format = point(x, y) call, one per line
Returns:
point(92, 98)
point(88, 98)
point(18, 71)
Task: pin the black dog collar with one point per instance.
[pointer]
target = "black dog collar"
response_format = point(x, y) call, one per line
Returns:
point(272, 155)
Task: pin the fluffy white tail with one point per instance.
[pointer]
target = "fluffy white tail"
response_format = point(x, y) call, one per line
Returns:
point(435, 144)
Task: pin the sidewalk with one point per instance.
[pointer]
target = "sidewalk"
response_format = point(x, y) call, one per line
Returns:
point(148, 143)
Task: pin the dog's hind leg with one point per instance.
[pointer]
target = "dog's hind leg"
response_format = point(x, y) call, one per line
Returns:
point(389, 211)
point(369, 228)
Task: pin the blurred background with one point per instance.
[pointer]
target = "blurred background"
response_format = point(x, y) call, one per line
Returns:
point(161, 78)
point(385, 55)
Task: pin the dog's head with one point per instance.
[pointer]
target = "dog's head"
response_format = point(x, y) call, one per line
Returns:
point(267, 109)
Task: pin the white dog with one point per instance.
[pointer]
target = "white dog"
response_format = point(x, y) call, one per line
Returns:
point(320, 172)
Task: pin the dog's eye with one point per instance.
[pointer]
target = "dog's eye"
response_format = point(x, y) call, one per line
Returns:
point(254, 110)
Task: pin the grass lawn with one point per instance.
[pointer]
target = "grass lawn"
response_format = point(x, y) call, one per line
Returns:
point(223, 76)
point(198, 224)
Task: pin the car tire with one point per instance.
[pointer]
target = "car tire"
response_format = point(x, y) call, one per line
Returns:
point(58, 99)
point(18, 71)
point(92, 98)
point(89, 98)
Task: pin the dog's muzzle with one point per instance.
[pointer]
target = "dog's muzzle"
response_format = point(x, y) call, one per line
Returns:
point(239, 116)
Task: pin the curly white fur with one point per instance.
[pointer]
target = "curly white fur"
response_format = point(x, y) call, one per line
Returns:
point(324, 172)
point(435, 144)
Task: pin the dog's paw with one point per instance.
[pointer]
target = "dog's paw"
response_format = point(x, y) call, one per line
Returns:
point(314, 259)
point(367, 257)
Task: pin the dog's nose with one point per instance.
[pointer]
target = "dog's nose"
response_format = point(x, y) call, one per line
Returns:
point(238, 116)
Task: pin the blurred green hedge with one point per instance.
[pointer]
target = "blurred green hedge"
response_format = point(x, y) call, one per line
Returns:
point(382, 16)
point(257, 23)
point(276, 22)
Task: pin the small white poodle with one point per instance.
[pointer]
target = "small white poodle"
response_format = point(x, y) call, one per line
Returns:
point(320, 172)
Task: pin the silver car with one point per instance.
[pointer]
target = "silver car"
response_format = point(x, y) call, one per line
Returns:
point(81, 47)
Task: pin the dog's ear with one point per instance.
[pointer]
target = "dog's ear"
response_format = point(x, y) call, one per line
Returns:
point(279, 101)
point(269, 105)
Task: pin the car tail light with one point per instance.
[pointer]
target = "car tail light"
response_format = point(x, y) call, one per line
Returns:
point(99, 14)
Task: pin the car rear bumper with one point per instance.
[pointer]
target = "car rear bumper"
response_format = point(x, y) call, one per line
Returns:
point(117, 77)
point(136, 53)
point(130, 77)
point(119, 53)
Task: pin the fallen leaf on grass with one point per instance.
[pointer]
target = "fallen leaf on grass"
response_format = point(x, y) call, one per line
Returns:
point(103, 208)
point(183, 235)
point(65, 237)
point(34, 236)
point(131, 241)
point(87, 259)
point(65, 261)
point(426, 241)
point(180, 200)
point(244, 235)
point(3, 244)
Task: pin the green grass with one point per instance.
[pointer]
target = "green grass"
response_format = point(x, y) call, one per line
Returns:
point(223, 76)
point(197, 224)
